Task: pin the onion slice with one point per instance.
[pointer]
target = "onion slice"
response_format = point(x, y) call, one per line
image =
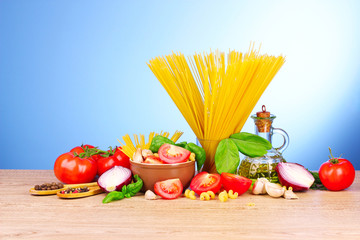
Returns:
point(294, 175)
point(114, 179)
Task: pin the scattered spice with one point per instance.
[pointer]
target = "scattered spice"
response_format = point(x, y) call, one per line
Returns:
point(48, 186)
point(75, 190)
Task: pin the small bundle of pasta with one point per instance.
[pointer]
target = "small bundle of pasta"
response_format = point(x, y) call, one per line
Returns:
point(215, 94)
point(129, 147)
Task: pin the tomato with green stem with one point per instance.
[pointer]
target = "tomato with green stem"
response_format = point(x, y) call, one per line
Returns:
point(70, 168)
point(111, 158)
point(81, 149)
point(337, 173)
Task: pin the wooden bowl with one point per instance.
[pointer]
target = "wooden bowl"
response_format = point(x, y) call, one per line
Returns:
point(152, 173)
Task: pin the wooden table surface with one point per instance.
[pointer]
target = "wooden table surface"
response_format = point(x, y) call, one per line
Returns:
point(316, 215)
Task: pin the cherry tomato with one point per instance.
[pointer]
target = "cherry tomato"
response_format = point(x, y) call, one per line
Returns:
point(204, 182)
point(235, 182)
point(153, 160)
point(70, 169)
point(337, 174)
point(118, 159)
point(173, 154)
point(169, 189)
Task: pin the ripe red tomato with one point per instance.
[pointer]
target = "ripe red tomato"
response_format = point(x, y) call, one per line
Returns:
point(337, 174)
point(70, 169)
point(204, 182)
point(169, 189)
point(81, 149)
point(118, 159)
point(235, 182)
point(173, 154)
point(153, 160)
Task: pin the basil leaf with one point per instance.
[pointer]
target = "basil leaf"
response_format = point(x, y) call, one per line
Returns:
point(200, 155)
point(181, 144)
point(250, 149)
point(250, 144)
point(249, 137)
point(227, 156)
point(158, 141)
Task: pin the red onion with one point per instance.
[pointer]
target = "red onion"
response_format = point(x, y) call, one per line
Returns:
point(114, 179)
point(294, 175)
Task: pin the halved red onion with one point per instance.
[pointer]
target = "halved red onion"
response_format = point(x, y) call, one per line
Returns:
point(114, 179)
point(294, 175)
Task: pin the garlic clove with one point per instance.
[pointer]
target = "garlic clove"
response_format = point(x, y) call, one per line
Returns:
point(274, 190)
point(150, 195)
point(146, 153)
point(259, 186)
point(289, 194)
point(138, 156)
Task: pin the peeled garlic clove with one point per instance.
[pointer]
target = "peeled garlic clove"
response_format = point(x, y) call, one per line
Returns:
point(138, 156)
point(259, 186)
point(146, 153)
point(289, 194)
point(274, 190)
point(150, 195)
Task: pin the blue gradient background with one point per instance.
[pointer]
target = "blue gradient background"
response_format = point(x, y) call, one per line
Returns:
point(75, 72)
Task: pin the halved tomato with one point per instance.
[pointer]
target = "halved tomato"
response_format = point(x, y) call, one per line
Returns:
point(204, 182)
point(173, 154)
point(169, 189)
point(153, 160)
point(234, 182)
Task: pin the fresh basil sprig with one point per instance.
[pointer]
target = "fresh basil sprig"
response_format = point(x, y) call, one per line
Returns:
point(227, 153)
point(126, 191)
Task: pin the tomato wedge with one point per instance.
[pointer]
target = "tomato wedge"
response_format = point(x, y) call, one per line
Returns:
point(234, 182)
point(153, 160)
point(173, 154)
point(204, 182)
point(169, 189)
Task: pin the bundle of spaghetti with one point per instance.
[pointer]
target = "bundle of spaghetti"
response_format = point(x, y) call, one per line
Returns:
point(129, 147)
point(215, 94)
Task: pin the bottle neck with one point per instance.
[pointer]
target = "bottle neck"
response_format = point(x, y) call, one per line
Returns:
point(265, 135)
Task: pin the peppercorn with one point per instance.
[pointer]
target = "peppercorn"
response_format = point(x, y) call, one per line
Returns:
point(48, 186)
point(75, 190)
